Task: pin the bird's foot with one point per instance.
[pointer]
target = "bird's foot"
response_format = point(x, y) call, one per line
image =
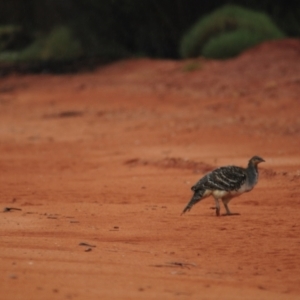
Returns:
point(216, 209)
point(231, 214)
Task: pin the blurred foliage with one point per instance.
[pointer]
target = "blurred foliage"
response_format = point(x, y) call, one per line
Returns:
point(285, 13)
point(112, 29)
point(227, 32)
point(192, 66)
point(12, 37)
point(232, 43)
point(58, 45)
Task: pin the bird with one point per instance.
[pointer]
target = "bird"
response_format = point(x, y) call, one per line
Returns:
point(225, 183)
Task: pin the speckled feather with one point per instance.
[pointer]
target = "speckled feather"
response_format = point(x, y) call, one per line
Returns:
point(225, 178)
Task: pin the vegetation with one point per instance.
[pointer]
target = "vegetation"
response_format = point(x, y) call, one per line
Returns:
point(193, 66)
point(227, 32)
point(58, 45)
point(106, 30)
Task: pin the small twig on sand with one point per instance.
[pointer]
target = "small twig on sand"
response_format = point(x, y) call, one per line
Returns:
point(7, 209)
point(181, 264)
point(86, 245)
point(173, 264)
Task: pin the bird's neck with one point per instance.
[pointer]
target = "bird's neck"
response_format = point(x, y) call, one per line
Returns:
point(252, 172)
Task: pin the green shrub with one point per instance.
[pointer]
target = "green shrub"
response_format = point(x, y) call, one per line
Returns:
point(61, 45)
point(31, 52)
point(231, 43)
point(7, 34)
point(227, 32)
point(58, 45)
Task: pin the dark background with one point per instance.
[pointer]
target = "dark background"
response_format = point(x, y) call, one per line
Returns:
point(139, 27)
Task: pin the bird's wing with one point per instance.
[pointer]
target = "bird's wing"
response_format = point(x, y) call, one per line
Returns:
point(225, 178)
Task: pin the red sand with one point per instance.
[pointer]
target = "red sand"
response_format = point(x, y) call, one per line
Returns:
point(108, 158)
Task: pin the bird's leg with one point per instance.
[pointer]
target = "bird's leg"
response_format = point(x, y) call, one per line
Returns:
point(228, 212)
point(217, 207)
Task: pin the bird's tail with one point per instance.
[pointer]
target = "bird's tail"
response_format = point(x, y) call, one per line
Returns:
point(195, 199)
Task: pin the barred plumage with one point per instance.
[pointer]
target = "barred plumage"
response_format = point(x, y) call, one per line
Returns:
point(225, 183)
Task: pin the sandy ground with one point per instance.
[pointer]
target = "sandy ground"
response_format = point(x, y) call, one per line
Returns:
point(97, 167)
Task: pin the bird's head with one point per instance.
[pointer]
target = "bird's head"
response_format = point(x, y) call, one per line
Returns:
point(255, 160)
